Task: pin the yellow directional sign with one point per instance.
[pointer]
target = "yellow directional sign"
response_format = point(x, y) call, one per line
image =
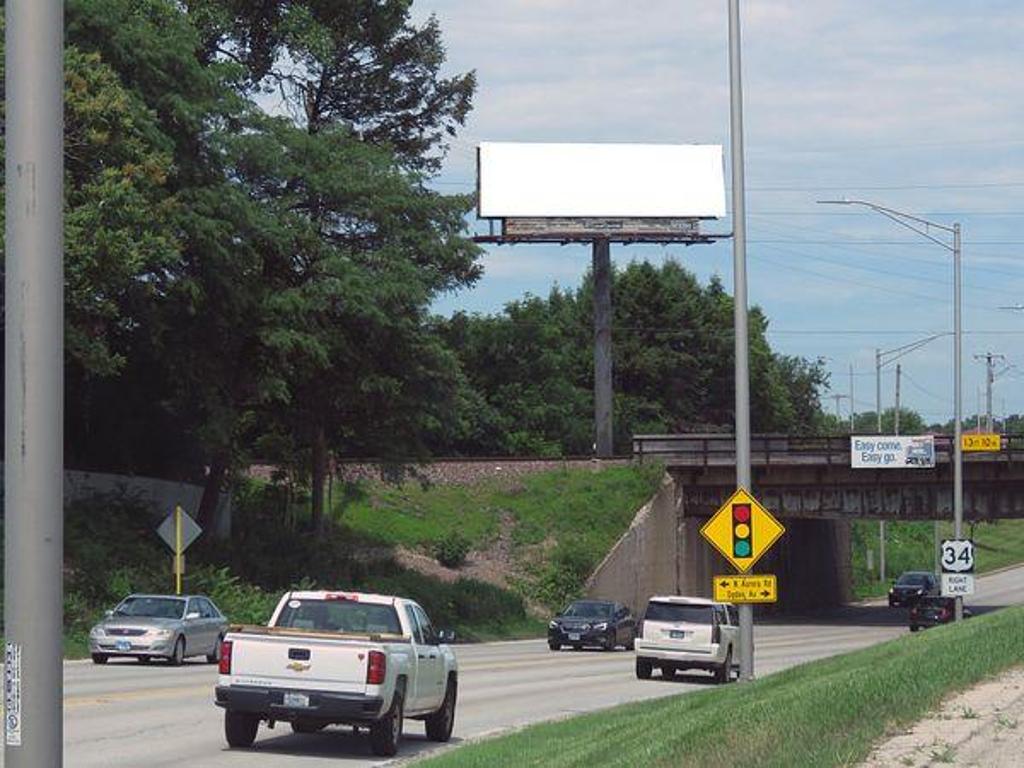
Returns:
point(742, 530)
point(981, 442)
point(745, 588)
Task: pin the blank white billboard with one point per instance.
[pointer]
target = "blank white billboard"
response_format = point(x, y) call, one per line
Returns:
point(600, 180)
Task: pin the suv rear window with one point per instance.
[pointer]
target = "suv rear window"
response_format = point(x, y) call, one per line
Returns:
point(679, 612)
point(340, 616)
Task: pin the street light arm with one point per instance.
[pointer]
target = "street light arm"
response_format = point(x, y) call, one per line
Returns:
point(898, 352)
point(903, 219)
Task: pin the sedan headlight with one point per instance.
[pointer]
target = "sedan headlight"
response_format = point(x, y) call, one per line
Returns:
point(96, 631)
point(552, 625)
point(160, 633)
point(602, 626)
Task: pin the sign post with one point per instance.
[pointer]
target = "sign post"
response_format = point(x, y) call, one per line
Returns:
point(178, 531)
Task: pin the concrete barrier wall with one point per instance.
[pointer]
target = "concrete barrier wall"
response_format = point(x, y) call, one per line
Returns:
point(644, 561)
point(160, 496)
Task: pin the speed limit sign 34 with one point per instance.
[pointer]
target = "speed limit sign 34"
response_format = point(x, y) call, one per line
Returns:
point(957, 560)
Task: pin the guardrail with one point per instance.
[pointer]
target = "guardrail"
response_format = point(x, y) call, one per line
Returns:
point(716, 449)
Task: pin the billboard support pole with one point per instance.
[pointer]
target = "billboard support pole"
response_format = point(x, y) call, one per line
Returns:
point(603, 348)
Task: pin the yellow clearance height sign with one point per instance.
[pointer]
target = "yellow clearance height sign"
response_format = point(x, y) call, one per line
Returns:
point(742, 530)
point(981, 442)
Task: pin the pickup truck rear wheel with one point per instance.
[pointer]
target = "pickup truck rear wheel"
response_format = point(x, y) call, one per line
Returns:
point(643, 669)
point(440, 723)
point(387, 732)
point(240, 729)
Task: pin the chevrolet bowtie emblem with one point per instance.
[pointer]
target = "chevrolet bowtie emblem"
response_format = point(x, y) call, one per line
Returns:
point(298, 666)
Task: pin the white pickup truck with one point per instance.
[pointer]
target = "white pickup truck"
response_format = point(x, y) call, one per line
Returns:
point(338, 658)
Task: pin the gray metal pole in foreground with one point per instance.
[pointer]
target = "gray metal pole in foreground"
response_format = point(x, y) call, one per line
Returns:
point(958, 459)
point(878, 413)
point(603, 348)
point(34, 375)
point(739, 257)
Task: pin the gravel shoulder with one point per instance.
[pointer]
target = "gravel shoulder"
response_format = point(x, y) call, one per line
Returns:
point(983, 726)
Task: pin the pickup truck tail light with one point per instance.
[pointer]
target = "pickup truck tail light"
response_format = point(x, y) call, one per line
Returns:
point(225, 657)
point(716, 634)
point(376, 668)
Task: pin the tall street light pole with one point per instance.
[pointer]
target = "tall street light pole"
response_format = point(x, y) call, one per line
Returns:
point(740, 328)
point(34, 384)
point(924, 228)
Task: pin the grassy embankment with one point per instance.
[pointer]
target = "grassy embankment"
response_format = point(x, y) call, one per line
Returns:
point(557, 526)
point(825, 713)
point(910, 547)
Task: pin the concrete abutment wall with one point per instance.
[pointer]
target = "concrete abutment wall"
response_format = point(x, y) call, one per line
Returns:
point(663, 552)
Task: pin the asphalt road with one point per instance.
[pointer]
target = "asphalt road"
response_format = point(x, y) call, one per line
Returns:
point(124, 714)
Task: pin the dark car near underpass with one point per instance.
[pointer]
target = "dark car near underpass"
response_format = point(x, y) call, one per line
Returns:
point(594, 623)
point(911, 587)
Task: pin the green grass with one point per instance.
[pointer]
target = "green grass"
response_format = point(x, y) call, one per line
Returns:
point(910, 547)
point(549, 504)
point(824, 713)
point(562, 522)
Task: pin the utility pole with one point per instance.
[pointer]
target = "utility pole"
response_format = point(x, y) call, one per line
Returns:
point(839, 419)
point(852, 415)
point(989, 358)
point(740, 326)
point(34, 385)
point(896, 415)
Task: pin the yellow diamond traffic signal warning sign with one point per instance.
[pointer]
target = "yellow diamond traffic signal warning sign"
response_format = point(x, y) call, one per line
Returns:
point(742, 530)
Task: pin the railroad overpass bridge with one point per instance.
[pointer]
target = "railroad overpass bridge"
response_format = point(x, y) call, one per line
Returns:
point(808, 483)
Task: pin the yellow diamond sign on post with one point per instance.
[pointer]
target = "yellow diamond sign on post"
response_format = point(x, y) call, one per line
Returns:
point(742, 530)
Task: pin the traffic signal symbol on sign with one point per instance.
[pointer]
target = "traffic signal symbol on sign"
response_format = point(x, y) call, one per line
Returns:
point(742, 530)
point(742, 534)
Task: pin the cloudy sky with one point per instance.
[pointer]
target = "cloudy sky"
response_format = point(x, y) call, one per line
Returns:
point(917, 105)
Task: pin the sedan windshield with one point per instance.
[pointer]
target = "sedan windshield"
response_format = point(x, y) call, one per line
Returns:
point(912, 580)
point(152, 607)
point(589, 608)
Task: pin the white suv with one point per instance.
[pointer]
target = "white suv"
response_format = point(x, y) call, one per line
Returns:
point(679, 633)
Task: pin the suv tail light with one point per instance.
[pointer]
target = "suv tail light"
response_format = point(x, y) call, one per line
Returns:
point(376, 668)
point(225, 657)
point(640, 628)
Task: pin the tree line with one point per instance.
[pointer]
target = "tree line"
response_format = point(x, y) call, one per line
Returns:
point(253, 247)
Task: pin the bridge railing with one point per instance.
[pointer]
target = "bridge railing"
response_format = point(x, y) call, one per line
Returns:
point(710, 449)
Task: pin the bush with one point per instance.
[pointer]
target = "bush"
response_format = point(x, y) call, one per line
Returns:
point(563, 577)
point(451, 549)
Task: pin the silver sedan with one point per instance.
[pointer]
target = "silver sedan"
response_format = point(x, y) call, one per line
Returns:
point(171, 627)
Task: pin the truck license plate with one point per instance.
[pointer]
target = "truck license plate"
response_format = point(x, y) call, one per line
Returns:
point(677, 634)
point(296, 700)
point(123, 645)
point(574, 635)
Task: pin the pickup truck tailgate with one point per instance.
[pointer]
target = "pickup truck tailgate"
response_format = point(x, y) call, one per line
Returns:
point(293, 662)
